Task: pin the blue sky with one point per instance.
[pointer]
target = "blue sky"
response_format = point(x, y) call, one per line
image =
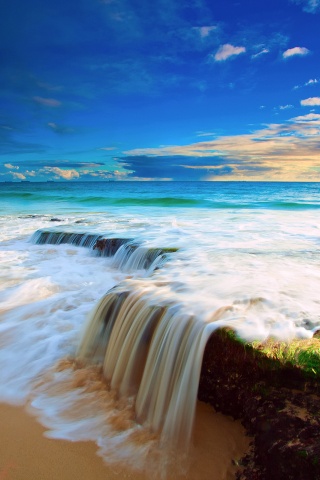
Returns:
point(161, 90)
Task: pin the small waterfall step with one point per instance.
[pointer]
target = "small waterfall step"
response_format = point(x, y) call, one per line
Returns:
point(128, 253)
point(105, 246)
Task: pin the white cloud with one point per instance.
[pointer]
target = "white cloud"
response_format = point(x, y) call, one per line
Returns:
point(206, 30)
point(226, 51)
point(310, 102)
point(8, 165)
point(30, 173)
point(295, 51)
point(285, 107)
point(66, 174)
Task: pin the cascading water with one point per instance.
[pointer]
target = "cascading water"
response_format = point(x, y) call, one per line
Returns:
point(127, 254)
point(149, 348)
point(152, 352)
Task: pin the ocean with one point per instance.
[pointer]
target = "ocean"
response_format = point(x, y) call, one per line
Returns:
point(196, 255)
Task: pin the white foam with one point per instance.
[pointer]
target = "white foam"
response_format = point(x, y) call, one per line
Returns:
point(257, 271)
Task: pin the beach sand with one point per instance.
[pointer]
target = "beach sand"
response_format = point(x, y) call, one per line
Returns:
point(25, 453)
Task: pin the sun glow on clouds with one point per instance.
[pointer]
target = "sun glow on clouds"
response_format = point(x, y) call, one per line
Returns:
point(60, 173)
point(18, 176)
point(288, 151)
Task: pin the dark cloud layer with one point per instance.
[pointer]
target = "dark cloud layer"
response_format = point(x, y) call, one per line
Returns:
point(177, 167)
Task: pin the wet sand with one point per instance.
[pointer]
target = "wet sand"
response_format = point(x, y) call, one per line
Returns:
point(25, 453)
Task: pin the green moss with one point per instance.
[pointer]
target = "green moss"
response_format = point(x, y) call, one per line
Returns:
point(303, 355)
point(163, 250)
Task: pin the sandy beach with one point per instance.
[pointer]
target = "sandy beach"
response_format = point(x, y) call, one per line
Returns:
point(25, 453)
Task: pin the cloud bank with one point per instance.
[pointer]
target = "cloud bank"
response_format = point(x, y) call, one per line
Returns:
point(286, 152)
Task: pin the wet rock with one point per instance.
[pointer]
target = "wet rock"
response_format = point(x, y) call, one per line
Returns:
point(107, 247)
point(100, 244)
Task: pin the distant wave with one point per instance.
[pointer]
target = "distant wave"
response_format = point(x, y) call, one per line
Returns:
point(194, 201)
point(160, 201)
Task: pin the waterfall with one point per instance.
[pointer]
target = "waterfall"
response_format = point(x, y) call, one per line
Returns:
point(152, 352)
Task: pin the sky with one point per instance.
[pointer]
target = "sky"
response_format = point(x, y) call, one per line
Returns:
point(160, 90)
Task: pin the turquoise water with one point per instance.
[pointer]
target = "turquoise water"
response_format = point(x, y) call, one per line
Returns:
point(79, 196)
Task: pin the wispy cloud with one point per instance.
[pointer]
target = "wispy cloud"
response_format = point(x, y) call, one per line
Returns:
point(47, 102)
point(61, 129)
point(285, 107)
point(226, 51)
point(205, 134)
point(291, 52)
point(205, 31)
point(262, 52)
point(310, 6)
point(312, 81)
point(49, 87)
point(310, 102)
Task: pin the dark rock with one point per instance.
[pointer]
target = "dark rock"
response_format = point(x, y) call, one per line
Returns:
point(107, 247)
point(278, 405)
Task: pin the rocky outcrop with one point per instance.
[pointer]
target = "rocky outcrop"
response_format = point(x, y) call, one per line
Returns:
point(274, 389)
